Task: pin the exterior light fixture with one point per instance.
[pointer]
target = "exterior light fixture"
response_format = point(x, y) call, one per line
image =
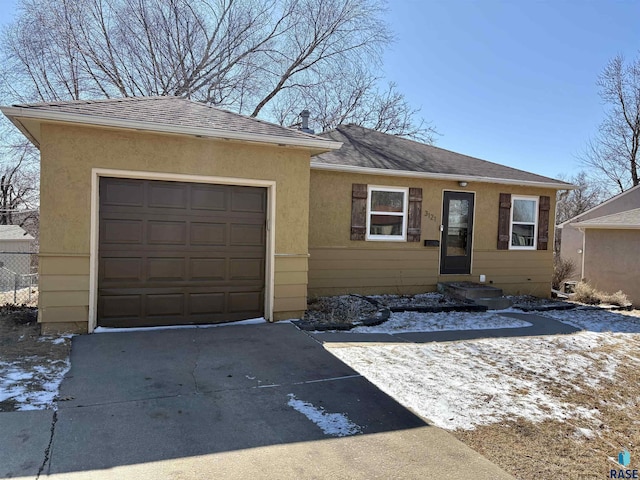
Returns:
point(463, 184)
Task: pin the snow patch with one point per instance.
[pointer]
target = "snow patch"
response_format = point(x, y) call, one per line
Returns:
point(460, 385)
point(597, 320)
point(14, 381)
point(334, 424)
point(251, 321)
point(404, 322)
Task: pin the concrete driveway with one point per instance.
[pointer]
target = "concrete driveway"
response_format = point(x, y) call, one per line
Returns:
point(210, 403)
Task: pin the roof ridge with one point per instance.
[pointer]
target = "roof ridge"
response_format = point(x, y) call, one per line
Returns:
point(94, 100)
point(425, 145)
point(196, 103)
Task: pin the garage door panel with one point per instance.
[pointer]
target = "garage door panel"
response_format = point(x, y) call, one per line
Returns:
point(209, 197)
point(119, 306)
point(122, 231)
point(243, 234)
point(246, 268)
point(208, 269)
point(248, 199)
point(173, 253)
point(166, 233)
point(203, 303)
point(122, 192)
point(166, 269)
point(121, 269)
point(165, 304)
point(208, 234)
point(245, 302)
point(167, 195)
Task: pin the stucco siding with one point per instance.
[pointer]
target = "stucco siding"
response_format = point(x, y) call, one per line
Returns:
point(572, 238)
point(612, 261)
point(570, 248)
point(338, 265)
point(68, 155)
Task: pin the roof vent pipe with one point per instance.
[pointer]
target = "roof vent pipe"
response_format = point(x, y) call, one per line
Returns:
point(304, 115)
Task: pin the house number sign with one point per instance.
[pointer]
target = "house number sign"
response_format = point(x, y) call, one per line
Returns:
point(430, 215)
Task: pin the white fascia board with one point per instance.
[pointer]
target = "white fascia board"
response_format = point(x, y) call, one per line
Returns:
point(19, 112)
point(605, 226)
point(436, 176)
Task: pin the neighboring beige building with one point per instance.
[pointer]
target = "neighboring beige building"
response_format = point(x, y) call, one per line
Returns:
point(572, 237)
point(611, 252)
point(160, 211)
point(15, 257)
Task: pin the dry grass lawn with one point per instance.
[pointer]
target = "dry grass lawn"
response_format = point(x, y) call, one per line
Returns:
point(558, 406)
point(568, 449)
point(28, 361)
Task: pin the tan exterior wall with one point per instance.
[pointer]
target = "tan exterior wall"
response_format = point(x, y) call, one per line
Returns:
point(612, 261)
point(572, 238)
point(68, 154)
point(338, 265)
point(571, 244)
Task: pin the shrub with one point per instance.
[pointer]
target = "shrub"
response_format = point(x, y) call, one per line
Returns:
point(585, 293)
point(562, 270)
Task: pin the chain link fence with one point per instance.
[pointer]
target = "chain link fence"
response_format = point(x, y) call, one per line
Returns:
point(19, 278)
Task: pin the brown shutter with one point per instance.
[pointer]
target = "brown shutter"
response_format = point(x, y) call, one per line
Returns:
point(504, 218)
point(358, 211)
point(415, 210)
point(544, 206)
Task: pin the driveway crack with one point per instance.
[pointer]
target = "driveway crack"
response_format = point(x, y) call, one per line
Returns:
point(47, 450)
point(195, 366)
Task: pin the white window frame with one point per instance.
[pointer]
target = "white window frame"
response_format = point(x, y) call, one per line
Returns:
point(404, 214)
point(535, 223)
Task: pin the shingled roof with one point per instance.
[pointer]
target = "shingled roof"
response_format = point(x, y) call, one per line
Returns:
point(375, 152)
point(622, 220)
point(166, 114)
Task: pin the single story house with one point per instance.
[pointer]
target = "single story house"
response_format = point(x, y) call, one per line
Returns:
point(604, 244)
point(160, 210)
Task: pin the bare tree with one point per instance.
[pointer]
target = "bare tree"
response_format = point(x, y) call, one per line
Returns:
point(19, 177)
point(571, 203)
point(247, 55)
point(615, 150)
point(360, 101)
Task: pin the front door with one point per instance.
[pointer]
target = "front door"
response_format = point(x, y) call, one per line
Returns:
point(457, 233)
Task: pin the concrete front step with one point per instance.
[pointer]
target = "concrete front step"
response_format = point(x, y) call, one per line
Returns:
point(494, 303)
point(469, 291)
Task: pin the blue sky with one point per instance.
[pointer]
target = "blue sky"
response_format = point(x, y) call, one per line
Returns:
point(513, 82)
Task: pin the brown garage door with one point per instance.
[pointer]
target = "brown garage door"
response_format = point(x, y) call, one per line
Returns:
point(180, 253)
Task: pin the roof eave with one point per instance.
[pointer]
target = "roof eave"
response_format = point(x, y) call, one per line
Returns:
point(612, 199)
point(15, 113)
point(437, 176)
point(606, 226)
point(18, 124)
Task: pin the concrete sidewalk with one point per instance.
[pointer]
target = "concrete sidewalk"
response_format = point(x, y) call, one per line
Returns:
point(214, 403)
point(540, 326)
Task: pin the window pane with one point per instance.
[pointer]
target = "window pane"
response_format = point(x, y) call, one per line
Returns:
point(458, 223)
point(386, 225)
point(524, 211)
point(387, 201)
point(522, 235)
